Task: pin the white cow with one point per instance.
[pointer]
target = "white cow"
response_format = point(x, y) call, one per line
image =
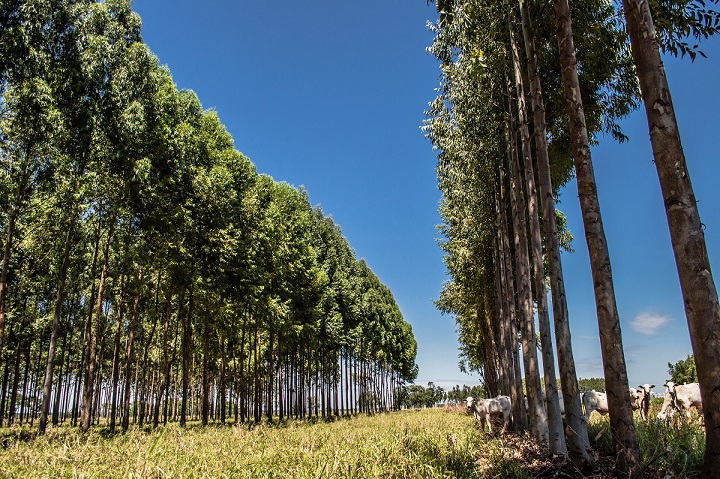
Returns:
point(680, 398)
point(594, 401)
point(642, 399)
point(597, 401)
point(487, 409)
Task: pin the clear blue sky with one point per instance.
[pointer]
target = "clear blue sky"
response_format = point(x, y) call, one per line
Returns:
point(330, 95)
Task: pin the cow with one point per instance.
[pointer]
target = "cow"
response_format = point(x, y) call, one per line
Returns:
point(680, 397)
point(594, 401)
point(487, 409)
point(642, 399)
point(597, 401)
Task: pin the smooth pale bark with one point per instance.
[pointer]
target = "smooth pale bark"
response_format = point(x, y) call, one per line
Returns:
point(577, 437)
point(552, 402)
point(627, 452)
point(59, 298)
point(686, 230)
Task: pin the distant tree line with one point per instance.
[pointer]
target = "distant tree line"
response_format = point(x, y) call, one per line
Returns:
point(149, 273)
point(524, 92)
point(416, 395)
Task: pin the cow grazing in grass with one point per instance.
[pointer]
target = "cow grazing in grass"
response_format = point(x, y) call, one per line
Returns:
point(489, 409)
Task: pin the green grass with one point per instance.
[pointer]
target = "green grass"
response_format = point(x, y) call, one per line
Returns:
point(674, 447)
point(427, 443)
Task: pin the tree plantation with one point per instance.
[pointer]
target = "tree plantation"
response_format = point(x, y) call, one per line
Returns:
point(149, 273)
point(524, 91)
point(168, 309)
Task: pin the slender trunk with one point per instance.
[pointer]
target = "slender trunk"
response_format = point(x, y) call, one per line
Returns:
point(131, 353)
point(165, 384)
point(577, 437)
point(222, 391)
point(621, 420)
point(7, 250)
point(536, 413)
point(491, 375)
point(686, 231)
point(64, 355)
point(25, 380)
point(14, 387)
point(86, 415)
point(516, 388)
point(116, 355)
point(205, 367)
point(59, 298)
point(187, 338)
point(554, 418)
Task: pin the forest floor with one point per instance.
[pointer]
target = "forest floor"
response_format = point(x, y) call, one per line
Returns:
point(426, 443)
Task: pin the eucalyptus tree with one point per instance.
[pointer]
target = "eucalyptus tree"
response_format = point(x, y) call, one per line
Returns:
point(621, 421)
point(686, 230)
point(578, 441)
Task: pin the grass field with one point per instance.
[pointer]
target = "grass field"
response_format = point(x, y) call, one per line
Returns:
point(408, 444)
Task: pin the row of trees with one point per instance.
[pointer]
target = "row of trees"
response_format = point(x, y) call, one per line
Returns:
point(148, 272)
point(502, 155)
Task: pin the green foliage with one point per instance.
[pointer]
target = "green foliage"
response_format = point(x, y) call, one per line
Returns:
point(683, 371)
point(209, 267)
point(415, 395)
point(591, 384)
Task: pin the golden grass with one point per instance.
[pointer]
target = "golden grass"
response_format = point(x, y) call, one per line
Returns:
point(426, 443)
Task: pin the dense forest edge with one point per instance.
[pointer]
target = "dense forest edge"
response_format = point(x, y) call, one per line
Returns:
point(149, 273)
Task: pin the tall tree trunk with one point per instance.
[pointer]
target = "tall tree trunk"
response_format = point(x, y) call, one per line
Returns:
point(621, 420)
point(187, 338)
point(59, 299)
point(536, 412)
point(165, 384)
point(205, 366)
point(491, 349)
point(116, 354)
point(15, 383)
point(686, 231)
point(578, 442)
point(7, 250)
point(64, 358)
point(131, 353)
point(93, 339)
point(555, 424)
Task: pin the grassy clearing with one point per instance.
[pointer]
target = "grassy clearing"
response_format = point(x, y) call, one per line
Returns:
point(428, 443)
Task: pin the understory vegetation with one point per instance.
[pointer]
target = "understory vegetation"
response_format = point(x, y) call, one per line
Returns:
point(412, 443)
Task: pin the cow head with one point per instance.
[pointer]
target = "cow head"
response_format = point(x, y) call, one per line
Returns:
point(469, 402)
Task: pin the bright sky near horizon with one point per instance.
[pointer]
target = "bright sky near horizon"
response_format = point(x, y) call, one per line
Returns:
point(330, 95)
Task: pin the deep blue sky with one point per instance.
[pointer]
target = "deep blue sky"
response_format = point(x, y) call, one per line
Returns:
point(330, 95)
